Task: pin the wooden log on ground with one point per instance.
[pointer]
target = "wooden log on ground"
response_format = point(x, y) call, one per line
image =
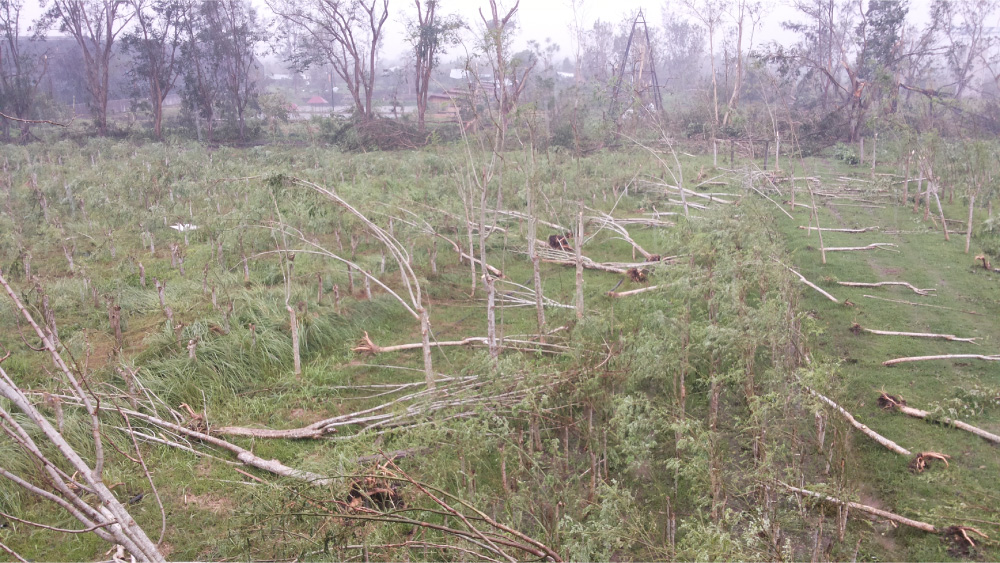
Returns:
point(920, 304)
point(366, 346)
point(872, 246)
point(865, 508)
point(812, 285)
point(618, 294)
point(892, 446)
point(916, 290)
point(863, 230)
point(888, 402)
point(856, 328)
point(994, 358)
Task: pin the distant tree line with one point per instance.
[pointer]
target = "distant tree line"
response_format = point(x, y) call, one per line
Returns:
point(203, 50)
point(850, 63)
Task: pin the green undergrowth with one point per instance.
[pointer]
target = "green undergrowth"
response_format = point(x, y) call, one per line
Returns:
point(662, 430)
point(964, 304)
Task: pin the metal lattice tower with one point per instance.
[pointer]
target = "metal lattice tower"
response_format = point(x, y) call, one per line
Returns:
point(638, 64)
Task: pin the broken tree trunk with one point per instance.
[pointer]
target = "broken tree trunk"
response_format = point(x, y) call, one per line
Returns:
point(889, 402)
point(618, 294)
point(968, 224)
point(425, 344)
point(366, 346)
point(491, 316)
point(293, 323)
point(872, 246)
point(862, 230)
point(880, 284)
point(536, 274)
point(865, 508)
point(858, 328)
point(245, 456)
point(892, 446)
point(579, 263)
point(920, 304)
point(944, 223)
point(812, 285)
point(819, 230)
point(995, 358)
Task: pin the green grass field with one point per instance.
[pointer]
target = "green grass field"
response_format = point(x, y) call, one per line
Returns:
point(660, 428)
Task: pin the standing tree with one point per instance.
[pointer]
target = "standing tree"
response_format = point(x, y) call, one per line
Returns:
point(95, 26)
point(709, 13)
point(510, 73)
point(201, 71)
point(875, 76)
point(746, 16)
point(683, 43)
point(154, 44)
point(235, 31)
point(428, 35)
point(346, 34)
point(20, 71)
point(966, 28)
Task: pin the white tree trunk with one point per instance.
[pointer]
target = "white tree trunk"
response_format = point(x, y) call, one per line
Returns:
point(296, 359)
point(425, 340)
point(968, 225)
point(579, 262)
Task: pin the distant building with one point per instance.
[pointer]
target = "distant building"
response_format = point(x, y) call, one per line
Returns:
point(446, 106)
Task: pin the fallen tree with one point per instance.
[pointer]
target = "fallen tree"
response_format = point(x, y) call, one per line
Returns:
point(957, 534)
point(889, 444)
point(619, 294)
point(51, 456)
point(916, 290)
point(865, 508)
point(920, 304)
point(994, 358)
point(811, 284)
point(872, 246)
point(856, 328)
point(862, 230)
point(366, 346)
point(889, 402)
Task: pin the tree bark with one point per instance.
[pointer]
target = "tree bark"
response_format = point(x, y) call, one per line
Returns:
point(579, 264)
point(892, 446)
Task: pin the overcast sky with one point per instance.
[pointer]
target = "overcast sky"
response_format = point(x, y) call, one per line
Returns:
point(541, 19)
